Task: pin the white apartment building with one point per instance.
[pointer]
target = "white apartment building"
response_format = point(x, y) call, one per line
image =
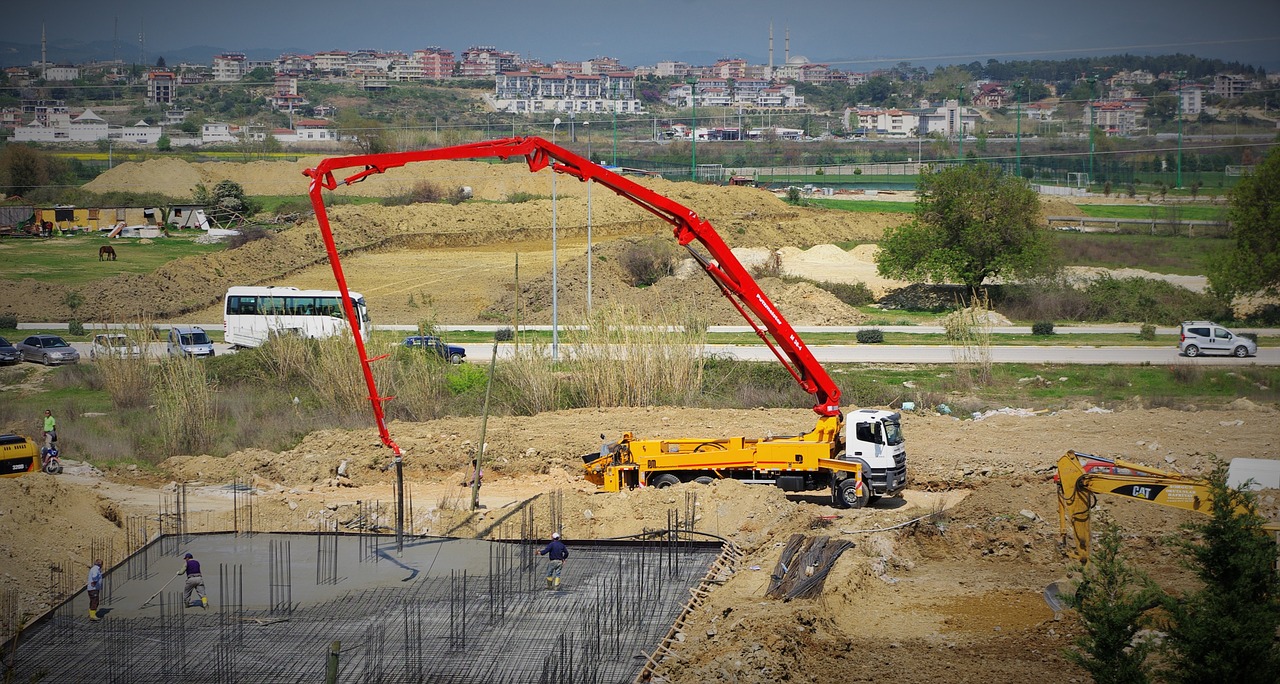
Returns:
point(890, 123)
point(1191, 96)
point(229, 66)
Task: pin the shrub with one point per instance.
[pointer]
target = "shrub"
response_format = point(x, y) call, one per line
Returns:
point(75, 328)
point(521, 197)
point(8, 321)
point(424, 192)
point(1147, 332)
point(648, 261)
point(853, 294)
point(247, 235)
point(870, 336)
point(1042, 328)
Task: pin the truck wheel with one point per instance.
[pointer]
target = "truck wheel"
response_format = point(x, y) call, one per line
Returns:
point(852, 493)
point(1241, 351)
point(1191, 350)
point(664, 480)
point(704, 480)
point(455, 358)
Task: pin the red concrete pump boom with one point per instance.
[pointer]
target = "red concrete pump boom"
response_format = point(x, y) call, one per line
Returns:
point(724, 268)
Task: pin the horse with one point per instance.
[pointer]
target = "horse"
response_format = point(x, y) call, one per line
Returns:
point(106, 252)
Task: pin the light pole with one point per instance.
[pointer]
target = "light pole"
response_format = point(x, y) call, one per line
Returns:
point(693, 131)
point(1093, 114)
point(555, 279)
point(1017, 93)
point(615, 123)
point(1181, 75)
point(587, 126)
point(960, 119)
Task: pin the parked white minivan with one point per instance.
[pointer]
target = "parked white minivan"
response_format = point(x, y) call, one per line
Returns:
point(1207, 337)
point(189, 340)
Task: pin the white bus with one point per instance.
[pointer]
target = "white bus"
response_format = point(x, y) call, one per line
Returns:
point(251, 315)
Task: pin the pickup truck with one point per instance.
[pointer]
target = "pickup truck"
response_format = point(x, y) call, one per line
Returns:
point(448, 352)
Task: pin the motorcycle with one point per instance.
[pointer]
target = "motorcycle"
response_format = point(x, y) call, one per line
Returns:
point(49, 461)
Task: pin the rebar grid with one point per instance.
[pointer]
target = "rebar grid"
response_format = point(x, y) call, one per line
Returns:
point(443, 611)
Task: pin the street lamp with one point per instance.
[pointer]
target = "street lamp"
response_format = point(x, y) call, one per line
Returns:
point(587, 126)
point(1181, 75)
point(615, 123)
point(960, 119)
point(693, 131)
point(1017, 93)
point(1093, 115)
point(555, 281)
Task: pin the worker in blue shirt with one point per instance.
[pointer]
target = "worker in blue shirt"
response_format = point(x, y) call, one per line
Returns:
point(94, 587)
point(195, 582)
point(556, 552)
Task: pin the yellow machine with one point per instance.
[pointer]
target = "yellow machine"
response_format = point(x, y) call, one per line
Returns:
point(18, 456)
point(1082, 476)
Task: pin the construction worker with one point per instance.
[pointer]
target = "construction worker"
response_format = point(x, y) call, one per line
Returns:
point(556, 552)
point(195, 582)
point(50, 429)
point(94, 586)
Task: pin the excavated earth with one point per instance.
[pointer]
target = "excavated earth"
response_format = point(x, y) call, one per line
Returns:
point(942, 584)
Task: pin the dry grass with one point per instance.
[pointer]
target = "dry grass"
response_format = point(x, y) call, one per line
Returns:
point(969, 330)
point(184, 405)
point(128, 381)
point(625, 359)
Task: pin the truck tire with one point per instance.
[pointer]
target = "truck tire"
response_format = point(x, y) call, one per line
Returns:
point(852, 493)
point(664, 480)
point(704, 480)
point(455, 358)
point(1191, 350)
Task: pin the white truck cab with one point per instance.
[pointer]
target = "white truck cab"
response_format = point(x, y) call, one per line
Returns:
point(873, 438)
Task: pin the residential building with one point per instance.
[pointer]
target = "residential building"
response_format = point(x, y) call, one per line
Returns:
point(1040, 111)
point(370, 79)
point(332, 62)
point(949, 120)
point(486, 61)
point(1232, 85)
point(216, 132)
point(1192, 99)
point(229, 66)
point(437, 63)
point(991, 95)
point(671, 69)
point(889, 123)
point(286, 97)
point(308, 131)
point(161, 86)
point(530, 92)
point(61, 72)
point(730, 68)
point(1115, 118)
point(56, 125)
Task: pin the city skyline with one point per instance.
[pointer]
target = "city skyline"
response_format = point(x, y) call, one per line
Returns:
point(850, 36)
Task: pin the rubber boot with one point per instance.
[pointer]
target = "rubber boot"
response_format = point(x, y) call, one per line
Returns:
point(93, 616)
point(557, 584)
point(549, 584)
point(204, 601)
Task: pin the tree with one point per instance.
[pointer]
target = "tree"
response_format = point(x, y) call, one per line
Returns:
point(226, 202)
point(971, 223)
point(22, 169)
point(1225, 631)
point(1252, 264)
point(1112, 598)
point(163, 143)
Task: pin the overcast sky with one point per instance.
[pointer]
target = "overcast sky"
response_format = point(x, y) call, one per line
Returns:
point(852, 35)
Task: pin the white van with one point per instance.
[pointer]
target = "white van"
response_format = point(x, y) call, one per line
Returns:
point(1207, 337)
point(189, 340)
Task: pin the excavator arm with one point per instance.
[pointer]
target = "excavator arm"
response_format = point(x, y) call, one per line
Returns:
point(719, 263)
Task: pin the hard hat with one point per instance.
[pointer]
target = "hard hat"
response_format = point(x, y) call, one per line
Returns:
point(188, 555)
point(555, 535)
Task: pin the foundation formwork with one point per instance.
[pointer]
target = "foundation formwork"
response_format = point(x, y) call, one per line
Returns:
point(442, 610)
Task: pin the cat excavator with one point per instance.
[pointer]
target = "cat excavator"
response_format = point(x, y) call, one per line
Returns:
point(1081, 477)
point(858, 465)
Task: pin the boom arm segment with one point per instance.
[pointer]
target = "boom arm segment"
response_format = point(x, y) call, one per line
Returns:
point(724, 268)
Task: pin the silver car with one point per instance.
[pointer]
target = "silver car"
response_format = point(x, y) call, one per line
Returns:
point(1207, 337)
point(50, 350)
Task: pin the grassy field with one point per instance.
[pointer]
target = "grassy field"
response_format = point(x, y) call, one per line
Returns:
point(1190, 212)
point(73, 260)
point(864, 206)
point(1161, 254)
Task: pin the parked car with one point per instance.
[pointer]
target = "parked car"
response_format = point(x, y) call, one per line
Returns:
point(1207, 337)
point(50, 350)
point(114, 345)
point(449, 352)
point(189, 340)
point(9, 354)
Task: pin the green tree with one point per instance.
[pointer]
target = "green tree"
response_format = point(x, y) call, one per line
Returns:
point(368, 133)
point(1225, 631)
point(971, 223)
point(1251, 265)
point(1112, 598)
point(22, 169)
point(163, 143)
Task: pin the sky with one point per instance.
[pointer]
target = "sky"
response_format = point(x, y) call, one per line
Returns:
point(851, 35)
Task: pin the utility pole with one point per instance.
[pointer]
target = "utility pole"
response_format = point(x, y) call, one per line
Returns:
point(693, 131)
point(960, 119)
point(1181, 75)
point(1017, 93)
point(1093, 115)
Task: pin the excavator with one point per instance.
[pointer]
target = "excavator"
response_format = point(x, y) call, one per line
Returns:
point(859, 456)
point(1082, 476)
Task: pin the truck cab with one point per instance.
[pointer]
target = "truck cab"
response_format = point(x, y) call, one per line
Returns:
point(874, 439)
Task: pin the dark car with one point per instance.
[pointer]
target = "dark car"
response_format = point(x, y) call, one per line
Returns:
point(9, 354)
point(449, 352)
point(50, 350)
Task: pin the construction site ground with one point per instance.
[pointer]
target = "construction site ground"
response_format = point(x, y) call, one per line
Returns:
point(943, 583)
